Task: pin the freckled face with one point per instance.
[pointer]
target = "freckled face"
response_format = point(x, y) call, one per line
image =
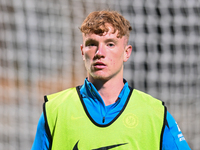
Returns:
point(104, 55)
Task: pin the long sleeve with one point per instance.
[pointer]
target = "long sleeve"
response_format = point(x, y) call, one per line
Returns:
point(41, 141)
point(173, 138)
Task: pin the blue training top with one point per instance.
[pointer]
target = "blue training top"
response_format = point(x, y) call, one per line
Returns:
point(173, 138)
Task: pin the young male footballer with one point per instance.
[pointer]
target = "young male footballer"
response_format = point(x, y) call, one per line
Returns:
point(105, 112)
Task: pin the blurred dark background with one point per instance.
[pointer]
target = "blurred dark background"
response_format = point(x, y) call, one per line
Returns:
point(40, 54)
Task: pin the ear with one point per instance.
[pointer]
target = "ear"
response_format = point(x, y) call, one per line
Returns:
point(82, 51)
point(127, 52)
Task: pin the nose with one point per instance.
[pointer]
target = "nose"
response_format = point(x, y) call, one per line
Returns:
point(100, 50)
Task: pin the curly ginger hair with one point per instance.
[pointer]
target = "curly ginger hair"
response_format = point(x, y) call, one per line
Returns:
point(96, 22)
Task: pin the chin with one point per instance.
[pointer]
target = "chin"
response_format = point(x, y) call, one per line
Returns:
point(99, 77)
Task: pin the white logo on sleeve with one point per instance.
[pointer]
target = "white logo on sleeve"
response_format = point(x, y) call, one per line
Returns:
point(180, 136)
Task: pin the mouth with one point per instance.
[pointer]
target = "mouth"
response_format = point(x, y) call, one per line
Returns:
point(99, 65)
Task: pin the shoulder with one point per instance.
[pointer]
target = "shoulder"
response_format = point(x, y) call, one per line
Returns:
point(149, 104)
point(146, 98)
point(171, 122)
point(60, 94)
point(57, 99)
point(58, 103)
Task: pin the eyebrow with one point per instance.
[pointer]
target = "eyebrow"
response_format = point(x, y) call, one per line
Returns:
point(90, 40)
point(112, 40)
point(95, 41)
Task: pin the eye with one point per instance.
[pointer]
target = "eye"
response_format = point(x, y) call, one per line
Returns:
point(91, 44)
point(110, 45)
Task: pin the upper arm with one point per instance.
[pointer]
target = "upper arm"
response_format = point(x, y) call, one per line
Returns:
point(41, 140)
point(173, 137)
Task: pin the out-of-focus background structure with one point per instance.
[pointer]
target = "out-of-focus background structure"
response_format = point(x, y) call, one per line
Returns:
point(40, 54)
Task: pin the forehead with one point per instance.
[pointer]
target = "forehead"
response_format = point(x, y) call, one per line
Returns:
point(105, 35)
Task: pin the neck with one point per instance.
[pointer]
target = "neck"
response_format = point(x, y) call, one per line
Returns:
point(109, 90)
